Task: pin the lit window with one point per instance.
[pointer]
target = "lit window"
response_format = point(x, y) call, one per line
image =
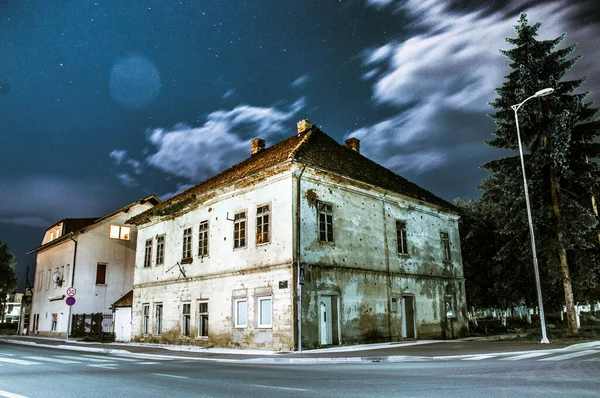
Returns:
point(148, 253)
point(445, 246)
point(203, 239)
point(262, 224)
point(160, 250)
point(239, 230)
point(119, 232)
point(203, 319)
point(265, 312)
point(325, 216)
point(402, 247)
point(187, 243)
point(241, 313)
point(186, 318)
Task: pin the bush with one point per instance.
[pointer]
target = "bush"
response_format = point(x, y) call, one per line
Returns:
point(9, 328)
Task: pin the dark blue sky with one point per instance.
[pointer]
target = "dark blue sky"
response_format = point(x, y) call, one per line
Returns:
point(104, 102)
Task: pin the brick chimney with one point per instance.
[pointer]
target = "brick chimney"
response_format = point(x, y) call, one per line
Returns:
point(258, 145)
point(353, 143)
point(304, 125)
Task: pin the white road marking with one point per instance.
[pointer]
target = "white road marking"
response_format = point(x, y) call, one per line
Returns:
point(105, 365)
point(50, 359)
point(18, 361)
point(479, 357)
point(526, 356)
point(8, 355)
point(571, 355)
point(109, 358)
point(279, 388)
point(83, 358)
point(11, 394)
point(166, 375)
point(147, 363)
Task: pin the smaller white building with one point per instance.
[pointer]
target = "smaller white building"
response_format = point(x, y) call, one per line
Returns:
point(96, 256)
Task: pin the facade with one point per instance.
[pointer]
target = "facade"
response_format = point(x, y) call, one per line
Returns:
point(96, 256)
point(12, 308)
point(306, 241)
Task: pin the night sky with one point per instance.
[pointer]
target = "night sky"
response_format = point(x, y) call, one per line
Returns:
point(105, 102)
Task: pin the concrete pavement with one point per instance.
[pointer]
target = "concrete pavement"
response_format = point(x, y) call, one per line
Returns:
point(382, 352)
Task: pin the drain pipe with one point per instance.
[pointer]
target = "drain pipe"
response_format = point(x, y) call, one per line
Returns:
point(298, 268)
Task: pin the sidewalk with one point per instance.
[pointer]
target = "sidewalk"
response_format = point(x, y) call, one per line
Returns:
point(382, 352)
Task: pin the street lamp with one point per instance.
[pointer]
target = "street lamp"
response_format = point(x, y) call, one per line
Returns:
point(515, 108)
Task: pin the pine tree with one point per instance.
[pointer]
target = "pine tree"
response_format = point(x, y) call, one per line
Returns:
point(559, 134)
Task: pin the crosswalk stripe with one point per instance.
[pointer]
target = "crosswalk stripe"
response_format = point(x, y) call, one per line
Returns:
point(18, 361)
point(8, 355)
point(50, 359)
point(571, 355)
point(10, 394)
point(110, 358)
point(82, 358)
point(479, 357)
point(148, 363)
point(105, 365)
point(526, 356)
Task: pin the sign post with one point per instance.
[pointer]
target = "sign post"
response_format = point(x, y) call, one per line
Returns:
point(70, 301)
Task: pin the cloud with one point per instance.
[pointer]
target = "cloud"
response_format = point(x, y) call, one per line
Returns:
point(41, 201)
point(127, 180)
point(118, 156)
point(442, 75)
point(301, 80)
point(197, 153)
point(229, 94)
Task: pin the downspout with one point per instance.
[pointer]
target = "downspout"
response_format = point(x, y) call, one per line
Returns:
point(298, 268)
point(387, 264)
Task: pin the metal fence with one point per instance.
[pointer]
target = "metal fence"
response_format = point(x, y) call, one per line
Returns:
point(98, 324)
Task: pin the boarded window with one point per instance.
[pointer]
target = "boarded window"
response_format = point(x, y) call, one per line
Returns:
point(186, 319)
point(101, 274)
point(445, 246)
point(158, 317)
point(146, 322)
point(203, 319)
point(325, 217)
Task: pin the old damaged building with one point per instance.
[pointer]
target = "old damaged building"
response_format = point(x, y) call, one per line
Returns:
point(307, 240)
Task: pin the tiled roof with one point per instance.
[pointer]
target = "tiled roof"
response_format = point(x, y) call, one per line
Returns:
point(313, 148)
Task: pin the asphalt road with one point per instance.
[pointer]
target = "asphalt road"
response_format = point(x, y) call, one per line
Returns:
point(29, 371)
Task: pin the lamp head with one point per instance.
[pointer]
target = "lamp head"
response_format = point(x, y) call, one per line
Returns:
point(544, 92)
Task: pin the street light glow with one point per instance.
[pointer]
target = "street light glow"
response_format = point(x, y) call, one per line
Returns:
point(544, 92)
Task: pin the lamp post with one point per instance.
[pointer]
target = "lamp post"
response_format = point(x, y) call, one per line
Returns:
point(515, 108)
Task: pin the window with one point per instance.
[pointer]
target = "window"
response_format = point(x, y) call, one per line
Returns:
point(119, 232)
point(241, 313)
point(450, 306)
point(146, 321)
point(48, 279)
point(262, 224)
point(402, 247)
point(445, 246)
point(394, 306)
point(265, 312)
point(158, 313)
point(101, 274)
point(203, 239)
point(54, 322)
point(148, 254)
point(239, 230)
point(203, 319)
point(186, 318)
point(187, 243)
point(325, 215)
point(160, 250)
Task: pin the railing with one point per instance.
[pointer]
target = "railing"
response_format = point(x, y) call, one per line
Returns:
point(97, 324)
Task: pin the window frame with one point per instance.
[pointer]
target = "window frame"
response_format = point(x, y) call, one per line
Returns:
point(186, 319)
point(263, 221)
point(203, 234)
point(158, 318)
point(145, 319)
point(203, 317)
point(186, 251)
point(123, 232)
point(236, 316)
point(446, 253)
point(104, 267)
point(259, 301)
point(148, 254)
point(240, 227)
point(160, 250)
point(401, 238)
point(325, 219)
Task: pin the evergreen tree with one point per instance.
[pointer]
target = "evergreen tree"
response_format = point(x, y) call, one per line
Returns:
point(559, 134)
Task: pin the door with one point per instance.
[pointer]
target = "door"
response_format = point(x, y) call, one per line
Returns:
point(123, 324)
point(326, 324)
point(408, 317)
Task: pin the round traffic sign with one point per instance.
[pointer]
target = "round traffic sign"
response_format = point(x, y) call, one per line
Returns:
point(70, 300)
point(71, 291)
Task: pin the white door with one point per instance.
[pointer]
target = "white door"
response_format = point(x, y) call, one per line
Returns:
point(326, 325)
point(123, 324)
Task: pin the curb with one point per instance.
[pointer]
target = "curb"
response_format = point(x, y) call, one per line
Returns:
point(67, 347)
